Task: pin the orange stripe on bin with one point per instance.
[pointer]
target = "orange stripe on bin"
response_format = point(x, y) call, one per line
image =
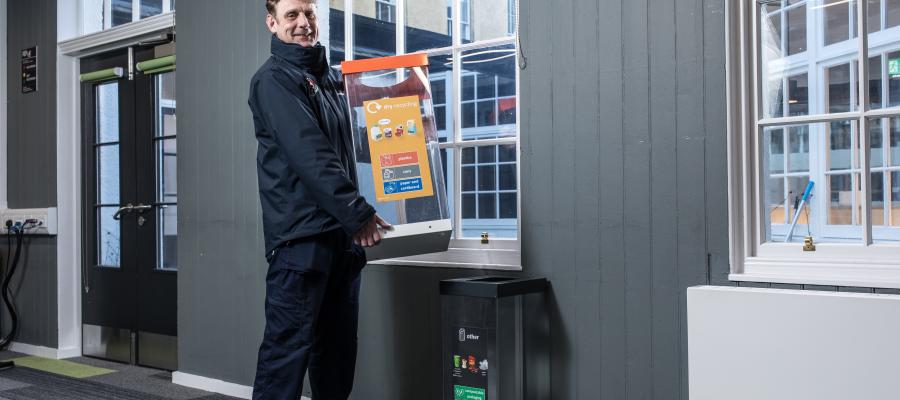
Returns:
point(377, 64)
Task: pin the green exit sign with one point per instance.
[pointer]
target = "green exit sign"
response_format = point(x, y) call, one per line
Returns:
point(894, 67)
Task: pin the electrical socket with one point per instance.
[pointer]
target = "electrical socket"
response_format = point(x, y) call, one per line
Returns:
point(46, 217)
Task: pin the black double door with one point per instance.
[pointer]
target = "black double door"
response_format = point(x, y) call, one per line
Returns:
point(129, 296)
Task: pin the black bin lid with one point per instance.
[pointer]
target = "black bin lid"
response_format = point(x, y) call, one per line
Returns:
point(492, 286)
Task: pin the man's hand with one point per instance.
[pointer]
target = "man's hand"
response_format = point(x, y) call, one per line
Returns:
point(369, 235)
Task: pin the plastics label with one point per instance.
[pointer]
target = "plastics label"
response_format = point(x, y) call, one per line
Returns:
point(467, 393)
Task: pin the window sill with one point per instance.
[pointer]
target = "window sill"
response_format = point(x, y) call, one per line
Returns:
point(469, 258)
point(836, 272)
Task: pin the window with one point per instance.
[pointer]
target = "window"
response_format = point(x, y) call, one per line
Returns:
point(474, 86)
point(105, 14)
point(827, 168)
point(511, 17)
point(384, 10)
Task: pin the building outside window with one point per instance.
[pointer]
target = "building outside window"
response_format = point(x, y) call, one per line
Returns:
point(818, 127)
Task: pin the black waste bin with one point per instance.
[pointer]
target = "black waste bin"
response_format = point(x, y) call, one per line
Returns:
point(496, 339)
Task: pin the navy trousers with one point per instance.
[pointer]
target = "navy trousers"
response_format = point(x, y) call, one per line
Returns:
point(312, 307)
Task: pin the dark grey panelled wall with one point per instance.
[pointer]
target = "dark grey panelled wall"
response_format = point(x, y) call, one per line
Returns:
point(31, 164)
point(624, 200)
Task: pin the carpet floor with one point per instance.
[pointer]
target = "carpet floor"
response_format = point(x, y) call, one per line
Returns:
point(85, 378)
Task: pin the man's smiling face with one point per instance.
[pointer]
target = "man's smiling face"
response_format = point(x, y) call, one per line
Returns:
point(295, 22)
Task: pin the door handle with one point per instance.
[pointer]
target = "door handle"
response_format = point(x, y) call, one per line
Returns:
point(142, 208)
point(123, 210)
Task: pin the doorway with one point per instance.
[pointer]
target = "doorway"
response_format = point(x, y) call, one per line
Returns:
point(130, 198)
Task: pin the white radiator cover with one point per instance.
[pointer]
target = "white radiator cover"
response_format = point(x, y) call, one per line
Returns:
point(747, 343)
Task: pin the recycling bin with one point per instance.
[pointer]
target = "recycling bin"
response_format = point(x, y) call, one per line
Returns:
point(397, 152)
point(495, 339)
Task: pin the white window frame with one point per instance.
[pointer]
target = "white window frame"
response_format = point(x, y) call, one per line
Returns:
point(390, 5)
point(865, 264)
point(498, 253)
point(106, 16)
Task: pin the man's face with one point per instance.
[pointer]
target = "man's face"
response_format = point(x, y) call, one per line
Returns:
point(295, 22)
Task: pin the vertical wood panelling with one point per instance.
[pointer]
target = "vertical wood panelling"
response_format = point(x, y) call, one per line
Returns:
point(31, 166)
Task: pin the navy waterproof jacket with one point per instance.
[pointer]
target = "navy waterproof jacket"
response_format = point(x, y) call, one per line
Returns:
point(305, 164)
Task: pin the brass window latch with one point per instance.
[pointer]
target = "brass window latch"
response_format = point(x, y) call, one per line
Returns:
point(808, 244)
point(484, 238)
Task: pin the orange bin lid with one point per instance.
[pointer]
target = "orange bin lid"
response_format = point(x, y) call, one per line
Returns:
point(381, 63)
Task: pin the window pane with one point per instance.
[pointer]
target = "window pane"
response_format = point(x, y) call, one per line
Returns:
point(775, 200)
point(167, 238)
point(796, 188)
point(775, 150)
point(796, 30)
point(108, 174)
point(167, 160)
point(489, 18)
point(468, 155)
point(873, 12)
point(798, 95)
point(487, 177)
point(487, 206)
point(150, 8)
point(496, 73)
point(875, 82)
point(878, 210)
point(876, 138)
point(507, 176)
point(893, 12)
point(843, 196)
point(439, 75)
point(468, 179)
point(774, 98)
point(895, 141)
point(372, 37)
point(468, 206)
point(894, 81)
point(487, 154)
point(839, 88)
point(837, 20)
point(507, 152)
point(841, 142)
point(108, 237)
point(508, 205)
point(108, 112)
point(468, 115)
point(121, 12)
point(336, 41)
point(798, 140)
point(486, 113)
point(426, 25)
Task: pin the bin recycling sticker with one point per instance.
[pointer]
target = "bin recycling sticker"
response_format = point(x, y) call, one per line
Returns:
point(467, 393)
point(400, 164)
point(469, 364)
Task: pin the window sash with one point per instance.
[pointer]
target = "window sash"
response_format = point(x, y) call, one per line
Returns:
point(752, 259)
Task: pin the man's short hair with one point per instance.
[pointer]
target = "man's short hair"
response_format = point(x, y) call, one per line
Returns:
point(270, 5)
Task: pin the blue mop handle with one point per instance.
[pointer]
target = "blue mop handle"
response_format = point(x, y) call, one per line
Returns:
point(806, 194)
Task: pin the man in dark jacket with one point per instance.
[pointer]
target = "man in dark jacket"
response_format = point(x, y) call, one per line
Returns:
point(314, 219)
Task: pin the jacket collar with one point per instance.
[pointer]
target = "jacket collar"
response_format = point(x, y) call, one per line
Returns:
point(312, 59)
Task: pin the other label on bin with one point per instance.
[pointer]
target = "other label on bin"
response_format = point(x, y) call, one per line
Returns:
point(397, 140)
point(467, 393)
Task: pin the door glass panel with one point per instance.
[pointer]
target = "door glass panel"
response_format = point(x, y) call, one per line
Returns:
point(167, 159)
point(166, 150)
point(108, 112)
point(108, 238)
point(108, 174)
point(167, 237)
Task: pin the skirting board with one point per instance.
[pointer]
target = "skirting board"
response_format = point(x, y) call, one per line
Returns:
point(214, 385)
point(46, 352)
